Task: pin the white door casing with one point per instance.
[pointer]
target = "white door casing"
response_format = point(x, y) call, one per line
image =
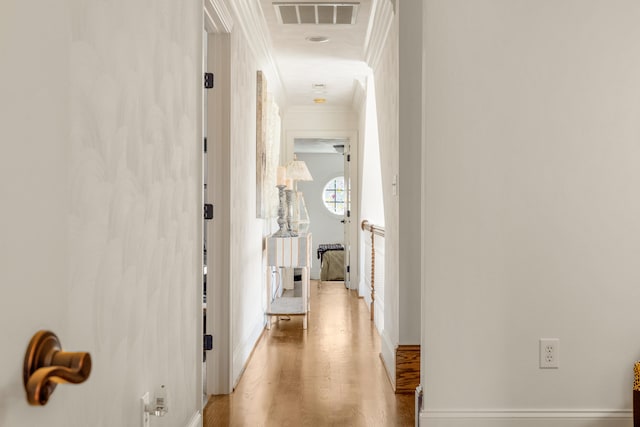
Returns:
point(219, 360)
point(347, 215)
point(351, 168)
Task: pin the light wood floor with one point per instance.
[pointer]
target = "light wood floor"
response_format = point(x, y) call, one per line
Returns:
point(329, 375)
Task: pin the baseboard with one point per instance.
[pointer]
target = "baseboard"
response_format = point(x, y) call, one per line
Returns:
point(388, 357)
point(365, 292)
point(243, 353)
point(196, 420)
point(526, 418)
point(390, 377)
point(407, 368)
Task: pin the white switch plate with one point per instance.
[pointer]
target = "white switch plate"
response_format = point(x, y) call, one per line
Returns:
point(549, 353)
point(144, 402)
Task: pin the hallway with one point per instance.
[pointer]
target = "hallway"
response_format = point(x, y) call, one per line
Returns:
point(328, 375)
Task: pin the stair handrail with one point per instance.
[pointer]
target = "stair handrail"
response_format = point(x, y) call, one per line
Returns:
point(375, 230)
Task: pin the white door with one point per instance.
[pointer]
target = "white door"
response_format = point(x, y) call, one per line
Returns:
point(347, 214)
point(99, 224)
point(34, 243)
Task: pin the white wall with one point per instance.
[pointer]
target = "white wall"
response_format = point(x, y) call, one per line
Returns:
point(371, 200)
point(247, 275)
point(317, 121)
point(101, 188)
point(371, 197)
point(240, 54)
point(530, 211)
point(324, 226)
point(218, 370)
point(385, 74)
point(409, 176)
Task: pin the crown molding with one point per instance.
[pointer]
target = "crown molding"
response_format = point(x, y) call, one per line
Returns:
point(250, 19)
point(217, 17)
point(382, 15)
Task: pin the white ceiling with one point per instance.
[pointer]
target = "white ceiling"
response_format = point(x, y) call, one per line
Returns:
point(336, 63)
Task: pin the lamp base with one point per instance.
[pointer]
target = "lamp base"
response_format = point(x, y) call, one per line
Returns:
point(282, 222)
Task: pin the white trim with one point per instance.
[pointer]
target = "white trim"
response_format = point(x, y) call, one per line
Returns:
point(524, 418)
point(219, 320)
point(378, 312)
point(388, 355)
point(253, 24)
point(354, 224)
point(217, 17)
point(365, 290)
point(243, 351)
point(195, 421)
point(382, 15)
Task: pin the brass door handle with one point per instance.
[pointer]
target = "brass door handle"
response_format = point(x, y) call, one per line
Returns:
point(46, 365)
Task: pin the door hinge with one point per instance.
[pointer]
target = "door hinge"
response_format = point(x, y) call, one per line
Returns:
point(208, 80)
point(349, 214)
point(348, 269)
point(205, 144)
point(208, 211)
point(348, 157)
point(207, 343)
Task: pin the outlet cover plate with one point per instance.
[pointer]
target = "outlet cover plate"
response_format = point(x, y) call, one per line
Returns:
point(549, 353)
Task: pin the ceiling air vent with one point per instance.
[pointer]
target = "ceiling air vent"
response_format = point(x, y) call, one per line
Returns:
point(316, 13)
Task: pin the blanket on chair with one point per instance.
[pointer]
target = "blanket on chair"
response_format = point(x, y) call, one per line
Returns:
point(332, 266)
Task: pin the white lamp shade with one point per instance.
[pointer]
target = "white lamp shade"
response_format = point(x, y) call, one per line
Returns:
point(298, 171)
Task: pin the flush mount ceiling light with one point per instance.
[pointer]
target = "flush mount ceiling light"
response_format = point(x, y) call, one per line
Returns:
point(317, 39)
point(316, 13)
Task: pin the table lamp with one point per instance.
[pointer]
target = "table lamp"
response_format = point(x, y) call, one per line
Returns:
point(297, 171)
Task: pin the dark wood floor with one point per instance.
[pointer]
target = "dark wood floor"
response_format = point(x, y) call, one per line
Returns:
point(329, 375)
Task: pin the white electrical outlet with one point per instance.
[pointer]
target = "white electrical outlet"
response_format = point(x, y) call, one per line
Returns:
point(144, 402)
point(549, 353)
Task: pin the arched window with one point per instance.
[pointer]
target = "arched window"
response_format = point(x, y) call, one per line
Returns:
point(334, 195)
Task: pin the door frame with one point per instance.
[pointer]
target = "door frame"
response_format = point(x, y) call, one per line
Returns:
point(352, 136)
point(218, 24)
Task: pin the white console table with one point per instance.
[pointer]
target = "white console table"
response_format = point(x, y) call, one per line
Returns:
point(288, 252)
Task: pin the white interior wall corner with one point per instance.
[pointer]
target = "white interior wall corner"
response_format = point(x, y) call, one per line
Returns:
point(247, 272)
point(386, 91)
point(531, 222)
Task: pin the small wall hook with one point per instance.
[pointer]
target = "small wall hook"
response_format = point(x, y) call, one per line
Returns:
point(46, 365)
